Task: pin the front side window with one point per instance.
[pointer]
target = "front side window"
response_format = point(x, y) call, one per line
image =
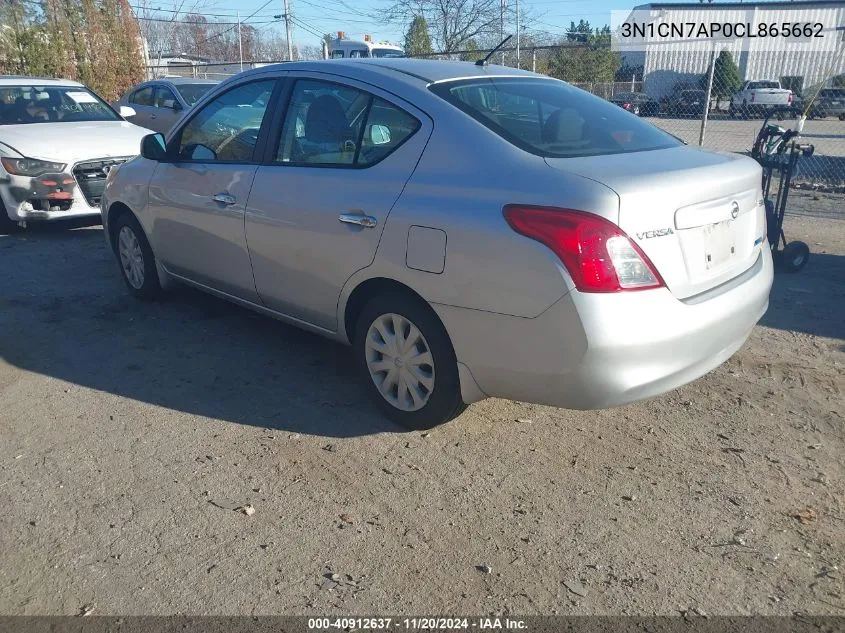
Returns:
point(337, 54)
point(51, 104)
point(164, 98)
point(551, 118)
point(335, 125)
point(227, 127)
point(143, 97)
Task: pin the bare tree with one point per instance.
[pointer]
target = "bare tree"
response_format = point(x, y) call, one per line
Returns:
point(452, 23)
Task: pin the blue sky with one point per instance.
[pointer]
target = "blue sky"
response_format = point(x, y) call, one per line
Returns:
point(355, 16)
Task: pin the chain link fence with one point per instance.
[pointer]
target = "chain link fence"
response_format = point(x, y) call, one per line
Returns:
point(702, 99)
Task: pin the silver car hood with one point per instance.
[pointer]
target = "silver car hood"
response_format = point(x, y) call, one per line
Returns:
point(72, 142)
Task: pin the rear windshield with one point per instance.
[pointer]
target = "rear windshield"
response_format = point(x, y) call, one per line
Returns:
point(551, 118)
point(763, 84)
point(192, 93)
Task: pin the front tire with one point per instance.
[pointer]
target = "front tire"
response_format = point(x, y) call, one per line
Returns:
point(407, 362)
point(135, 258)
point(7, 225)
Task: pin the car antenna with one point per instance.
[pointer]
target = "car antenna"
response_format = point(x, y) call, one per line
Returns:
point(483, 62)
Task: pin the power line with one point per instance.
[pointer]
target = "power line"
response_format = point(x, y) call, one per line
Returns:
point(232, 28)
point(200, 23)
point(189, 12)
point(305, 26)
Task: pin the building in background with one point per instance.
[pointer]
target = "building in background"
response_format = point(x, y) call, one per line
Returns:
point(667, 70)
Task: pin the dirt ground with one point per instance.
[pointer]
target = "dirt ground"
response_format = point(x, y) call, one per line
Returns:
point(131, 433)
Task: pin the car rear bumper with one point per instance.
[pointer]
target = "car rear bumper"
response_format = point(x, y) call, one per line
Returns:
point(592, 351)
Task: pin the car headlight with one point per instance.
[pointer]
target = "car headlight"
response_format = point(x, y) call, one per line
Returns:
point(30, 166)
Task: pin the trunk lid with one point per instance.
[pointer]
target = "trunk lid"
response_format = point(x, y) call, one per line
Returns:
point(697, 215)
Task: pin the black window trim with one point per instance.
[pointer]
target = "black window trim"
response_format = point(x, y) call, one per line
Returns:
point(259, 149)
point(275, 131)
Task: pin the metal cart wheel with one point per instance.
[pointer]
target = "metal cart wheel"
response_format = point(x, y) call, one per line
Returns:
point(794, 257)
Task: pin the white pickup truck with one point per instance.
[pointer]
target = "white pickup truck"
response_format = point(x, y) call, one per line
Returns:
point(758, 97)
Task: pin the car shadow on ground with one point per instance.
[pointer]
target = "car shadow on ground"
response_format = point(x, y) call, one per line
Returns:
point(811, 301)
point(65, 313)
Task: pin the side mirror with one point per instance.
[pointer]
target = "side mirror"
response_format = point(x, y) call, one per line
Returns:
point(126, 112)
point(172, 104)
point(379, 134)
point(153, 147)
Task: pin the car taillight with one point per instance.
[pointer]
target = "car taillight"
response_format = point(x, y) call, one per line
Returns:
point(596, 252)
point(626, 105)
point(753, 96)
point(789, 98)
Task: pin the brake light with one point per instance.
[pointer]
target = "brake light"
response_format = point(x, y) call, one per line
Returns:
point(789, 98)
point(753, 96)
point(596, 252)
point(626, 105)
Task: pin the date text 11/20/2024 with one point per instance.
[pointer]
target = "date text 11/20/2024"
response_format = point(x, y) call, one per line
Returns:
point(416, 624)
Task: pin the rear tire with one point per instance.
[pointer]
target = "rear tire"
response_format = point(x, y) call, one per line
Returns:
point(135, 258)
point(407, 362)
point(794, 257)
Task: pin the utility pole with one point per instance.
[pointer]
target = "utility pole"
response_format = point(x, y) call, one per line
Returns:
point(517, 33)
point(287, 30)
point(502, 4)
point(707, 98)
point(240, 42)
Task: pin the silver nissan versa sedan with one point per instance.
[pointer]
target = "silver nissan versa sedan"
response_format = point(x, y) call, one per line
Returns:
point(471, 231)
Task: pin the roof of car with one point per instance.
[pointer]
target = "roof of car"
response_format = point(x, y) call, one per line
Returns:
point(180, 81)
point(18, 80)
point(425, 70)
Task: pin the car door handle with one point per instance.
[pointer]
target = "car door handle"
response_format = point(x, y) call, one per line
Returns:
point(367, 221)
point(152, 116)
point(224, 198)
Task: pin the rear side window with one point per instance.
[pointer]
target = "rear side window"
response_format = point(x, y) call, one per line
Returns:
point(329, 124)
point(551, 118)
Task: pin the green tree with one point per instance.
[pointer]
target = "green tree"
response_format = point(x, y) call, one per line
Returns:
point(417, 40)
point(579, 32)
point(473, 53)
point(23, 45)
point(593, 61)
point(726, 79)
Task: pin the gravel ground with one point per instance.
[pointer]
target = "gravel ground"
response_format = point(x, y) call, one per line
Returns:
point(133, 433)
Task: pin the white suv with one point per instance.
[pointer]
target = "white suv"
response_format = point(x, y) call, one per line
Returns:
point(58, 141)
